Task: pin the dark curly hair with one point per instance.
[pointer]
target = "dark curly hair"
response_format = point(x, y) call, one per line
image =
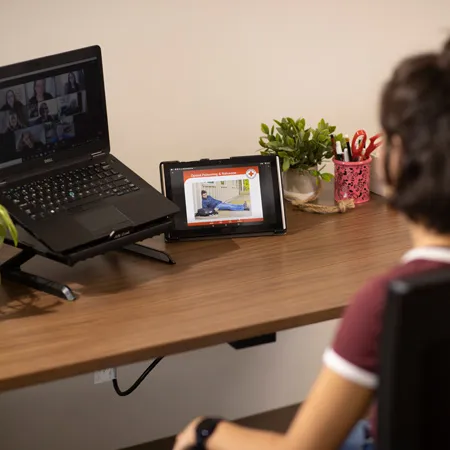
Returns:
point(415, 106)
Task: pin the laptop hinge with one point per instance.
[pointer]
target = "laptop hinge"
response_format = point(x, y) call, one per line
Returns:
point(97, 154)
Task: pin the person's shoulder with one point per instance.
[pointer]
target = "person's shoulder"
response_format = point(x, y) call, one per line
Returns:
point(375, 290)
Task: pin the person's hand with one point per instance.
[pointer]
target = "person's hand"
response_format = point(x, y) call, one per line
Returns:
point(186, 439)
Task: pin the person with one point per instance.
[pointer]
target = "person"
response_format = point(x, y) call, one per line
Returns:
point(209, 202)
point(40, 94)
point(27, 142)
point(415, 164)
point(44, 114)
point(13, 122)
point(71, 86)
point(64, 131)
point(11, 102)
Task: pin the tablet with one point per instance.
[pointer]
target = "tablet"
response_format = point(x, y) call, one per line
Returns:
point(240, 196)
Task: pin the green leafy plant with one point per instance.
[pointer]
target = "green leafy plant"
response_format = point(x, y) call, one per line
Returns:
point(300, 147)
point(7, 226)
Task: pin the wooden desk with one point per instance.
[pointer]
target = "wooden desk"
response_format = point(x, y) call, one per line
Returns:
point(132, 309)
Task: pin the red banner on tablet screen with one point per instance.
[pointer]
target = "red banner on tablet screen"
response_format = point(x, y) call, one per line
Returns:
point(251, 172)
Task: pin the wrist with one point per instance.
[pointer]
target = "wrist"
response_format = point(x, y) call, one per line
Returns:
point(205, 429)
point(214, 441)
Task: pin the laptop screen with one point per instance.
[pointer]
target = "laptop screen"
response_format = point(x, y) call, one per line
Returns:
point(54, 108)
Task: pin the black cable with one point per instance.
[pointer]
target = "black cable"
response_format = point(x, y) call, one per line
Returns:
point(138, 381)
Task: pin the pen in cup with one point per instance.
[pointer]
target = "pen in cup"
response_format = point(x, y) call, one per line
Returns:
point(333, 144)
point(349, 150)
point(346, 155)
point(339, 152)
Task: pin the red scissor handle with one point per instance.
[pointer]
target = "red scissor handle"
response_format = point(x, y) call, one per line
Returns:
point(358, 143)
point(374, 143)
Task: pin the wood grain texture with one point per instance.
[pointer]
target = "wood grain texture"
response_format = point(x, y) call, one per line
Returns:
point(131, 309)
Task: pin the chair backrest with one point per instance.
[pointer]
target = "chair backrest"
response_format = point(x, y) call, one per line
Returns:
point(414, 392)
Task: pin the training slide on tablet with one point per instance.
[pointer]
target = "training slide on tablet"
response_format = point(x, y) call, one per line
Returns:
point(222, 196)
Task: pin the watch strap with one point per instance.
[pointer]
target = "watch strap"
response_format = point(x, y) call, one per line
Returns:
point(203, 432)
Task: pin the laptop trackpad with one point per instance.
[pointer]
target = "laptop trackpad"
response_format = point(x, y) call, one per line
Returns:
point(101, 221)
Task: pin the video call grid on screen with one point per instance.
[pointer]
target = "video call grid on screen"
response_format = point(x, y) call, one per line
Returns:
point(222, 196)
point(36, 114)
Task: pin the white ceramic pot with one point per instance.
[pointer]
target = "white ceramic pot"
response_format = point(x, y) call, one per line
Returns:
point(299, 185)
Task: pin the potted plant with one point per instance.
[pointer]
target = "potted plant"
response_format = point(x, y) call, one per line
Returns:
point(7, 227)
point(301, 150)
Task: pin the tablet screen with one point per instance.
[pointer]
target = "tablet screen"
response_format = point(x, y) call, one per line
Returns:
point(228, 196)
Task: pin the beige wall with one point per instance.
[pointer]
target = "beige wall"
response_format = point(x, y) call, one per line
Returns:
point(190, 79)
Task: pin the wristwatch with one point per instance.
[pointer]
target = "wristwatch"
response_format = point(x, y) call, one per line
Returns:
point(203, 432)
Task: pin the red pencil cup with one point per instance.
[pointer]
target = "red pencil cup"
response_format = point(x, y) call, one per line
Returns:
point(352, 180)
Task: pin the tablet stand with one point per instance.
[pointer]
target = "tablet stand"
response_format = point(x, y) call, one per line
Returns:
point(11, 269)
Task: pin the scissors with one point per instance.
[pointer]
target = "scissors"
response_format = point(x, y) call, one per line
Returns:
point(359, 149)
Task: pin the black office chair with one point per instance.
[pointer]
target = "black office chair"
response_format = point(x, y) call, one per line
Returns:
point(414, 393)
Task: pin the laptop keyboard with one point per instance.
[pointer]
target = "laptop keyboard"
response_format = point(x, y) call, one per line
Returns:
point(69, 190)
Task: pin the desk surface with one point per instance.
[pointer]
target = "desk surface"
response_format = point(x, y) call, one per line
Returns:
point(131, 309)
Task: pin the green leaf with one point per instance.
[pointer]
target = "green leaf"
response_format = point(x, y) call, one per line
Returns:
point(291, 121)
point(278, 123)
point(265, 128)
point(301, 124)
point(322, 125)
point(7, 225)
point(327, 177)
point(307, 135)
point(286, 164)
point(274, 144)
point(272, 130)
point(290, 141)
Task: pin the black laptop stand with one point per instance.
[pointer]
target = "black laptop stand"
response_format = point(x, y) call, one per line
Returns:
point(11, 269)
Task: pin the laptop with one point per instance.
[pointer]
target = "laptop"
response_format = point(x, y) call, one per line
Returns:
point(58, 179)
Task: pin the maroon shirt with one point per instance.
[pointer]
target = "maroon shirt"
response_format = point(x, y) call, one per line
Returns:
point(354, 354)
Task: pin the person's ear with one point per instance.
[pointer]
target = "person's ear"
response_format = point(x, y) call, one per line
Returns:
point(395, 158)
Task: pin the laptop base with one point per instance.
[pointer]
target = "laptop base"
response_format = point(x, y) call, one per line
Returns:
point(11, 269)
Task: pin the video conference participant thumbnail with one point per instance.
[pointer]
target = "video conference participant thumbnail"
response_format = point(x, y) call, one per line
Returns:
point(30, 139)
point(14, 102)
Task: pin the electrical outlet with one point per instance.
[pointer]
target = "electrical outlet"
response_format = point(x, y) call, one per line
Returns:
point(102, 376)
